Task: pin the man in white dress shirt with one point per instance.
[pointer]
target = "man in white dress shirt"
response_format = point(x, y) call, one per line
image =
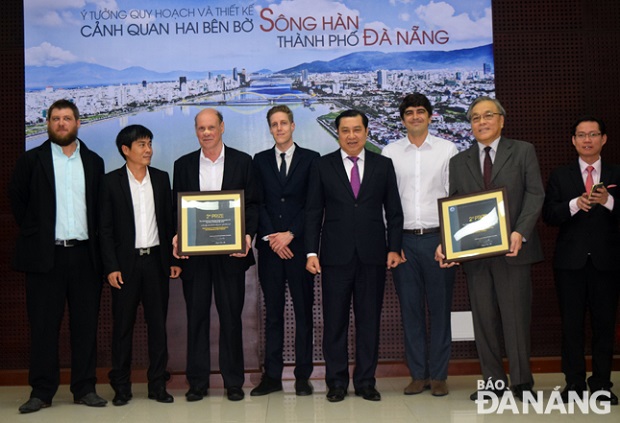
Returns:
point(421, 162)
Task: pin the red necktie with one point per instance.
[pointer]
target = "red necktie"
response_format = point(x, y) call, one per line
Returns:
point(589, 179)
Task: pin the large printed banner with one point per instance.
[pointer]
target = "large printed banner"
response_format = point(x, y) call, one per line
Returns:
point(157, 63)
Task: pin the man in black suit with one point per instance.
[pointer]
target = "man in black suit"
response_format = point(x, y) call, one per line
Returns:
point(500, 288)
point(586, 261)
point(282, 172)
point(216, 167)
point(348, 192)
point(54, 193)
point(136, 230)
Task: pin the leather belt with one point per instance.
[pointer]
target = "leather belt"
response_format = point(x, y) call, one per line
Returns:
point(421, 231)
point(146, 251)
point(70, 242)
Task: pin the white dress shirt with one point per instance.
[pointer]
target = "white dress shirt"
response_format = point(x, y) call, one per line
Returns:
point(288, 158)
point(211, 173)
point(144, 216)
point(422, 175)
point(348, 164)
point(596, 178)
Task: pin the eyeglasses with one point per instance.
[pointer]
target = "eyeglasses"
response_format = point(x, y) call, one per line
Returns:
point(582, 135)
point(487, 117)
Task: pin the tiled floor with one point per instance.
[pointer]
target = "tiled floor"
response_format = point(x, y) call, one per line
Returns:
point(286, 407)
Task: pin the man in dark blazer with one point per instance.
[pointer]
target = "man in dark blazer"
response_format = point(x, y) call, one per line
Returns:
point(348, 193)
point(136, 229)
point(54, 194)
point(282, 172)
point(586, 261)
point(216, 167)
point(500, 288)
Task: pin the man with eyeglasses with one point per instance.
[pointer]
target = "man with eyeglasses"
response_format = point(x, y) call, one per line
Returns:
point(581, 200)
point(500, 287)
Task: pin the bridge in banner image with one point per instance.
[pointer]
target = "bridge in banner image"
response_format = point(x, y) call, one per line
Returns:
point(249, 98)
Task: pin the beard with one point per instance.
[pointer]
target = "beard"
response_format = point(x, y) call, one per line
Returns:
point(62, 141)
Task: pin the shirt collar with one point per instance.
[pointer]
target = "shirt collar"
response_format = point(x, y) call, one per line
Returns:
point(361, 156)
point(288, 152)
point(596, 165)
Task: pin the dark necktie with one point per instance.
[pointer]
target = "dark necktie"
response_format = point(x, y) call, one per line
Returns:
point(488, 168)
point(355, 176)
point(283, 166)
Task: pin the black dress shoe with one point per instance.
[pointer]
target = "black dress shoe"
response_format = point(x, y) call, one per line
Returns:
point(235, 394)
point(518, 390)
point(498, 393)
point(369, 393)
point(303, 387)
point(32, 405)
point(121, 398)
point(266, 386)
point(608, 396)
point(92, 400)
point(161, 395)
point(336, 394)
point(577, 388)
point(195, 394)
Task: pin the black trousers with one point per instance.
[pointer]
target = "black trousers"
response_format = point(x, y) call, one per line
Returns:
point(72, 281)
point(579, 291)
point(274, 273)
point(149, 285)
point(364, 284)
point(228, 287)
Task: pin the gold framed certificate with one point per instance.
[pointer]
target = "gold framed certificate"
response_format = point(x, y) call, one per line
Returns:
point(211, 222)
point(475, 225)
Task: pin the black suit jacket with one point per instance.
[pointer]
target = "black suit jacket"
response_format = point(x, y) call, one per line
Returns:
point(515, 168)
point(282, 206)
point(117, 229)
point(33, 199)
point(342, 224)
point(238, 174)
point(596, 232)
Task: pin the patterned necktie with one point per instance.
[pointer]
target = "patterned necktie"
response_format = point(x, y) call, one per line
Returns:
point(589, 179)
point(283, 166)
point(488, 168)
point(355, 176)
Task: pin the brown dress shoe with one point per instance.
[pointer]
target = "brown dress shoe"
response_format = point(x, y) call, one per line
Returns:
point(439, 388)
point(417, 386)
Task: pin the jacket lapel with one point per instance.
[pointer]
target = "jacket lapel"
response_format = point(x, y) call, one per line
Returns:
point(473, 164)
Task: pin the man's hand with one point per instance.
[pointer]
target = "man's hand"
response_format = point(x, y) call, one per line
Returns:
point(440, 257)
point(393, 260)
point(175, 251)
point(600, 196)
point(115, 279)
point(279, 243)
point(175, 272)
point(516, 241)
point(312, 265)
point(248, 245)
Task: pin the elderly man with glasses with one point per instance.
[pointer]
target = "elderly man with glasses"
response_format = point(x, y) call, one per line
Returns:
point(500, 287)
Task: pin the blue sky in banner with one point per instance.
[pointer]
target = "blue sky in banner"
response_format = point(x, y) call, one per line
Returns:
point(195, 35)
point(157, 63)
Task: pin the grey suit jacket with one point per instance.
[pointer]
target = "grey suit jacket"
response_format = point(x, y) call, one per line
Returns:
point(515, 168)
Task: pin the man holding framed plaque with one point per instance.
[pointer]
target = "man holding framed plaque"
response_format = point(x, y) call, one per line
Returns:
point(421, 163)
point(213, 168)
point(500, 286)
point(584, 201)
